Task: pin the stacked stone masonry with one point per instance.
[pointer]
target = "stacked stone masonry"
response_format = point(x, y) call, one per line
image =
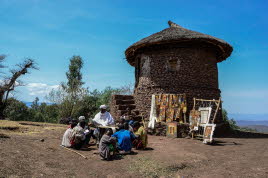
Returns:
point(124, 105)
point(177, 69)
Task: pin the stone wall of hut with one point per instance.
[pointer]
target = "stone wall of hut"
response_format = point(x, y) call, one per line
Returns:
point(176, 69)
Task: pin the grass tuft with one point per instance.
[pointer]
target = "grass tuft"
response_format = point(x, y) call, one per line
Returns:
point(151, 168)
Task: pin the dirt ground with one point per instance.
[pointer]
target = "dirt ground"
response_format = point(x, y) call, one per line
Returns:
point(31, 153)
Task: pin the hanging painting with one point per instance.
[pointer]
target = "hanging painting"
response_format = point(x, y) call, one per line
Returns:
point(194, 119)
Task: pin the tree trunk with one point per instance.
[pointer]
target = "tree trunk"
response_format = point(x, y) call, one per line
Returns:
point(2, 117)
point(9, 84)
point(2, 106)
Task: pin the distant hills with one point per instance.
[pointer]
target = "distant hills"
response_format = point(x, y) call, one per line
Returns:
point(259, 128)
point(249, 117)
point(28, 104)
point(253, 121)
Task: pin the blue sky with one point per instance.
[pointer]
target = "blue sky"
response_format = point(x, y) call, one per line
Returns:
point(51, 31)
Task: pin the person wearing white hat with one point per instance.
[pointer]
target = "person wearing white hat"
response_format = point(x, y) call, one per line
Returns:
point(81, 118)
point(103, 118)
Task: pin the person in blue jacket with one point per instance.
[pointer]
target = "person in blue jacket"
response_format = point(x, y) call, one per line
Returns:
point(124, 139)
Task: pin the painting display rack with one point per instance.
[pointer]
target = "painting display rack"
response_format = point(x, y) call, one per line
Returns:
point(202, 118)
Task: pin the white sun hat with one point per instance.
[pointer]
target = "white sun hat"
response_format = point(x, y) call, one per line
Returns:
point(103, 107)
point(81, 118)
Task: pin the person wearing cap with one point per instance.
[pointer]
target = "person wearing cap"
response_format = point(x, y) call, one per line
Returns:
point(103, 118)
point(80, 134)
point(81, 118)
point(87, 129)
point(67, 136)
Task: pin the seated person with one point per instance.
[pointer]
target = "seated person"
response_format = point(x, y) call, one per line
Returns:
point(80, 135)
point(67, 137)
point(141, 136)
point(81, 118)
point(130, 125)
point(124, 139)
point(87, 128)
point(72, 121)
point(107, 145)
point(122, 121)
point(103, 118)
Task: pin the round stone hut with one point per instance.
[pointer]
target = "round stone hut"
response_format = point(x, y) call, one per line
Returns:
point(176, 60)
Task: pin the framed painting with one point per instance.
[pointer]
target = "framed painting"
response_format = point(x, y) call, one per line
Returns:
point(204, 114)
point(172, 129)
point(194, 119)
point(208, 133)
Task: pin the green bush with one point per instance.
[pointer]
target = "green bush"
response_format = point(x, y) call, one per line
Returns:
point(17, 111)
point(232, 123)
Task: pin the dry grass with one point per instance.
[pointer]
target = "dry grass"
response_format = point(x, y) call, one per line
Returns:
point(152, 168)
point(9, 125)
point(4, 136)
point(25, 127)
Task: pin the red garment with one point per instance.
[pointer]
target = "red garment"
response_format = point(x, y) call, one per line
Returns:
point(137, 143)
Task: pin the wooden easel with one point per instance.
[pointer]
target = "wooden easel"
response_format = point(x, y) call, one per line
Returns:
point(217, 103)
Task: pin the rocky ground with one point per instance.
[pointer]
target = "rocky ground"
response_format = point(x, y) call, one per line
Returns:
point(34, 151)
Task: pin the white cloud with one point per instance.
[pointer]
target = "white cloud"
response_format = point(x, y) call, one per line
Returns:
point(3, 82)
point(40, 89)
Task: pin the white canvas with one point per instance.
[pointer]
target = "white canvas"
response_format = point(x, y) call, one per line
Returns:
point(205, 114)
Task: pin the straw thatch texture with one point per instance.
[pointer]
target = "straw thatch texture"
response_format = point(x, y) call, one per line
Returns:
point(177, 34)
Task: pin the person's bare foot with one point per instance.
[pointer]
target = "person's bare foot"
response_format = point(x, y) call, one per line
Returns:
point(124, 152)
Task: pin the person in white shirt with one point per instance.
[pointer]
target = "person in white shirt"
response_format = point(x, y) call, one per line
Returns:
point(103, 118)
point(67, 137)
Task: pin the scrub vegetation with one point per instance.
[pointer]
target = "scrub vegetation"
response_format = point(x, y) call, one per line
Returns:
point(70, 100)
point(232, 123)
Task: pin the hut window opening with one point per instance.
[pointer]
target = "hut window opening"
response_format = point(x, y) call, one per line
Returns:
point(173, 64)
point(145, 66)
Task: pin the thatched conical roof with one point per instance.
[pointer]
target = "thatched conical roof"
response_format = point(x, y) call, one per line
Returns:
point(178, 34)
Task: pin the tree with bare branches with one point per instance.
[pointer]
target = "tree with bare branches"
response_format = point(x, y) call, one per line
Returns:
point(2, 57)
point(8, 83)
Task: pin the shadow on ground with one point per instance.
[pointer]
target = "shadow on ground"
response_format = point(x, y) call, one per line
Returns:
point(223, 143)
point(243, 134)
